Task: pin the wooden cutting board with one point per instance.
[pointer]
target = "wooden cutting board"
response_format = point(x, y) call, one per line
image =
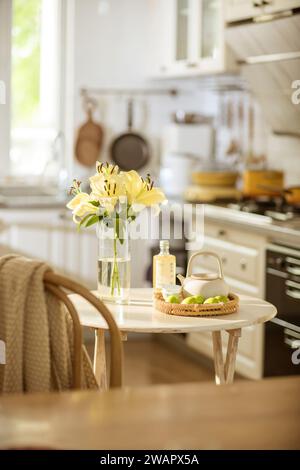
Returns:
point(89, 138)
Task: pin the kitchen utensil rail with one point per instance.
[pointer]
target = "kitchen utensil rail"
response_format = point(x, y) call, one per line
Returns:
point(129, 91)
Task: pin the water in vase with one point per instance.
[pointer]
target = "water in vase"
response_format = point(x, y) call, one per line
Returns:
point(114, 279)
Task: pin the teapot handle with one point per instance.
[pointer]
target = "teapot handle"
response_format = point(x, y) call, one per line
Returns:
point(205, 253)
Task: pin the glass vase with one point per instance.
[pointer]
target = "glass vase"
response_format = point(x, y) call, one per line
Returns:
point(113, 260)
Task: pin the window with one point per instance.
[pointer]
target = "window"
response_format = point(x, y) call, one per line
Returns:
point(35, 88)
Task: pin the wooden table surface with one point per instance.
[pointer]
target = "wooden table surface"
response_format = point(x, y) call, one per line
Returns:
point(246, 415)
point(141, 317)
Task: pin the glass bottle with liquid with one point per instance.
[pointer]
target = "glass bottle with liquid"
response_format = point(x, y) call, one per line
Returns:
point(164, 267)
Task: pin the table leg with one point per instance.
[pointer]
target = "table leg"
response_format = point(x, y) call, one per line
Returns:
point(218, 358)
point(100, 359)
point(224, 373)
point(233, 342)
point(99, 363)
point(123, 336)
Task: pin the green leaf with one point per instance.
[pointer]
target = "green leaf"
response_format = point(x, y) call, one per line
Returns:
point(89, 220)
point(95, 203)
point(93, 220)
point(82, 222)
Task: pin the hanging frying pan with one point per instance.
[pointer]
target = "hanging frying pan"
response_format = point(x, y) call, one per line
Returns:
point(130, 151)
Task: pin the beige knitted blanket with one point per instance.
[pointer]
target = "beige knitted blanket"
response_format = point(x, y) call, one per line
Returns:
point(37, 330)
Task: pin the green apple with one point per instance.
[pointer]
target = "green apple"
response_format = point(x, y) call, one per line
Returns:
point(211, 300)
point(199, 299)
point(189, 300)
point(222, 298)
point(173, 299)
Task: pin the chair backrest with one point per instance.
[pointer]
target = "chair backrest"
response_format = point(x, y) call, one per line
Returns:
point(54, 283)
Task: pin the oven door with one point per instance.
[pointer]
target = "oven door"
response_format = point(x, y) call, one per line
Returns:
point(282, 334)
point(282, 348)
point(283, 286)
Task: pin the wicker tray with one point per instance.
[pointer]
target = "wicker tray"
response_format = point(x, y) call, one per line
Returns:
point(196, 310)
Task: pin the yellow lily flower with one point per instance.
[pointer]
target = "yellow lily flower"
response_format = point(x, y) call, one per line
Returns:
point(107, 169)
point(107, 186)
point(139, 191)
point(77, 200)
point(80, 206)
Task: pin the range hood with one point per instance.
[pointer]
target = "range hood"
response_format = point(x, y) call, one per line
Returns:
point(268, 50)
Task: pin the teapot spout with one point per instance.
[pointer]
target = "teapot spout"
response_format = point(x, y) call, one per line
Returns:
point(181, 278)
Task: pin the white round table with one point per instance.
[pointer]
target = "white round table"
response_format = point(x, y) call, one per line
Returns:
point(140, 316)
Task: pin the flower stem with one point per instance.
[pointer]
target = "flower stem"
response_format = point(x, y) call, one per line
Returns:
point(115, 279)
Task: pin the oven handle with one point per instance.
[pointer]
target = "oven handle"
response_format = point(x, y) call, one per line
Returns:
point(291, 338)
point(295, 271)
point(293, 294)
point(292, 343)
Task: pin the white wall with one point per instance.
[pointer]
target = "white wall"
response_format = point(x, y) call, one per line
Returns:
point(123, 49)
point(284, 154)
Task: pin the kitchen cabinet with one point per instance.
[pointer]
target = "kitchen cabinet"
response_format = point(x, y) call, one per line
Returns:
point(237, 10)
point(243, 258)
point(50, 235)
point(197, 43)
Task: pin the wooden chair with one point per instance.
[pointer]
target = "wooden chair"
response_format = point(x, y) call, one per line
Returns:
point(54, 283)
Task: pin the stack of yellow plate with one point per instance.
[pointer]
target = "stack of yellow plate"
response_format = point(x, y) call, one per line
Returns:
point(210, 194)
point(215, 178)
point(210, 186)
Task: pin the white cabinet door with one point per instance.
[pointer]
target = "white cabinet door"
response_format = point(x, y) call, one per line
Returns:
point(209, 44)
point(242, 9)
point(28, 232)
point(52, 237)
point(183, 30)
point(243, 264)
point(197, 45)
point(273, 6)
point(237, 10)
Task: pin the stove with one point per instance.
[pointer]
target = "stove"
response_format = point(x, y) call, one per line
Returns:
point(274, 208)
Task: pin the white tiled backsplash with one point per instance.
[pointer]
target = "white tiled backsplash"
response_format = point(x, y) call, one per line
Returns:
point(284, 154)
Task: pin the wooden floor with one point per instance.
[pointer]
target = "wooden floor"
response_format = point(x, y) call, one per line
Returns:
point(152, 362)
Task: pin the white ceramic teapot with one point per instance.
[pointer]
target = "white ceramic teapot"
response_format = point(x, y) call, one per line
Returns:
point(205, 284)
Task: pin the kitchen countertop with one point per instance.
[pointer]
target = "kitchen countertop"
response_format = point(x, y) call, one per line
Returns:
point(245, 415)
point(279, 232)
point(33, 202)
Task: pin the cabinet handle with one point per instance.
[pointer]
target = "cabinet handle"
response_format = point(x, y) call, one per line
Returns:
point(257, 4)
point(243, 264)
point(191, 64)
point(291, 338)
point(266, 2)
point(64, 216)
point(222, 233)
point(224, 260)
